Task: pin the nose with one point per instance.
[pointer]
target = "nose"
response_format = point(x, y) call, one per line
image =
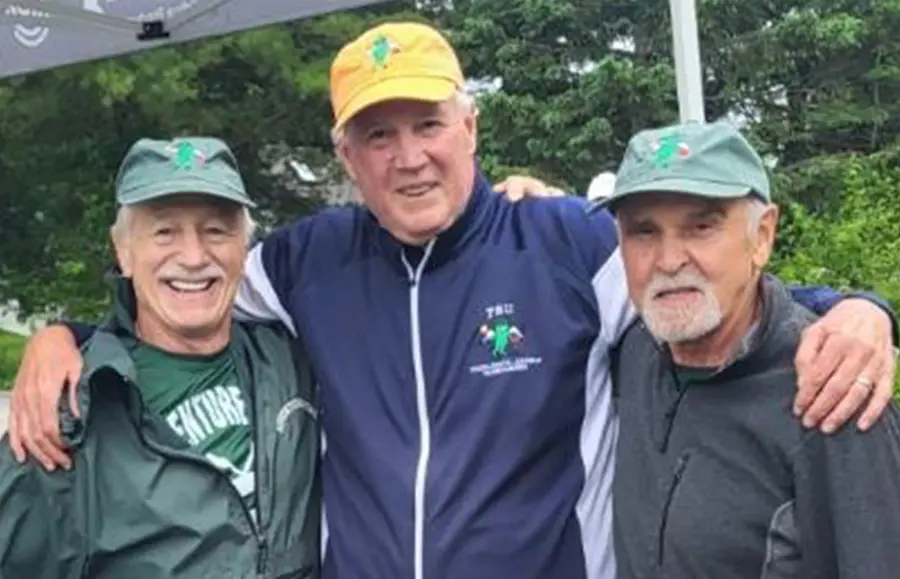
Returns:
point(192, 253)
point(410, 154)
point(673, 255)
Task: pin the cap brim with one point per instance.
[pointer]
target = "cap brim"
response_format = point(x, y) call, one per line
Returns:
point(691, 187)
point(416, 88)
point(170, 188)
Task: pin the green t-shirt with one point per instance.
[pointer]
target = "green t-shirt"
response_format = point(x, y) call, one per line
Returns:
point(200, 398)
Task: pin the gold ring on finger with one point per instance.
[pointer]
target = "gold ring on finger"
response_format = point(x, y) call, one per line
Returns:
point(865, 383)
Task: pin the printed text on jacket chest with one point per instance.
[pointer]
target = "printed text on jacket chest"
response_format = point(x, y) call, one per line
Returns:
point(502, 343)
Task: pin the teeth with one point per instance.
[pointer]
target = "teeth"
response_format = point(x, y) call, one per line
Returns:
point(190, 286)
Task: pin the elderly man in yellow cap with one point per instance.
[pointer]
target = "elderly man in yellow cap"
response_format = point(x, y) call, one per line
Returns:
point(461, 341)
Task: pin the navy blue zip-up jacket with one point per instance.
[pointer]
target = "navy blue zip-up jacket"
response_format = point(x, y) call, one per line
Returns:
point(465, 385)
point(465, 389)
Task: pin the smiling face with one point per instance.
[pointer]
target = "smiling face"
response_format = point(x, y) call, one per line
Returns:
point(413, 162)
point(692, 263)
point(185, 255)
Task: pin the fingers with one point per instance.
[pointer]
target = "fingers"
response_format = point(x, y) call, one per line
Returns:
point(51, 359)
point(49, 439)
point(810, 377)
point(32, 449)
point(515, 191)
point(884, 391)
point(854, 399)
point(73, 397)
point(517, 187)
point(41, 440)
point(851, 359)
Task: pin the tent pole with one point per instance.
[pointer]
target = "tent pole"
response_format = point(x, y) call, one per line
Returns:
point(686, 47)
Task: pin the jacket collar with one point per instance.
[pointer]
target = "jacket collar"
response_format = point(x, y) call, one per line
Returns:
point(105, 352)
point(762, 339)
point(482, 204)
point(766, 339)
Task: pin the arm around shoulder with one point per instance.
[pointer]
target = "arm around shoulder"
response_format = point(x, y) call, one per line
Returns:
point(36, 522)
point(848, 503)
point(276, 264)
point(270, 272)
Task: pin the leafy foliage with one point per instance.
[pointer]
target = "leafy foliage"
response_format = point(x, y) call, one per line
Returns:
point(816, 84)
point(10, 352)
point(65, 131)
point(853, 240)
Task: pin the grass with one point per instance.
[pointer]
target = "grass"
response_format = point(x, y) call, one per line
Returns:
point(10, 352)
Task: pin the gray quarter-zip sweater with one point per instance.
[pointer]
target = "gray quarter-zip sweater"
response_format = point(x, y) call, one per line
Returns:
point(716, 479)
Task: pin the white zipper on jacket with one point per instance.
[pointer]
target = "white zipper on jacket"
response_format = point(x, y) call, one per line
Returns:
point(415, 277)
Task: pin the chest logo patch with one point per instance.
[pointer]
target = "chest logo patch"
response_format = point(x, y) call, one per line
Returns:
point(504, 343)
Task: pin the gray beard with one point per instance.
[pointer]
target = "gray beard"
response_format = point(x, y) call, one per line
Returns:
point(683, 324)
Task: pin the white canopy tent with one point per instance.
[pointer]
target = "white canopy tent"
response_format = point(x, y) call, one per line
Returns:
point(41, 34)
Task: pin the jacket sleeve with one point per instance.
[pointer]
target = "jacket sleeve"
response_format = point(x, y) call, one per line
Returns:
point(820, 299)
point(848, 501)
point(36, 539)
point(600, 249)
point(272, 268)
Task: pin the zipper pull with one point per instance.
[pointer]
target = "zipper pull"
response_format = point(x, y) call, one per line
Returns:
point(262, 555)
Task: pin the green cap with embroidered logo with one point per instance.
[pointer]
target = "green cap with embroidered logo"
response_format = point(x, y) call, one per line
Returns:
point(192, 165)
point(702, 159)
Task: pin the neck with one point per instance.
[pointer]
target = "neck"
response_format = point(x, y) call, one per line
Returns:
point(716, 348)
point(206, 344)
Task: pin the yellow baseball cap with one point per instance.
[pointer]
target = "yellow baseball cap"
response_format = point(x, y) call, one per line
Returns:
point(402, 60)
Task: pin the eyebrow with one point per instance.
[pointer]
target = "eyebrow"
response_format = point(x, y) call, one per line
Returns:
point(710, 209)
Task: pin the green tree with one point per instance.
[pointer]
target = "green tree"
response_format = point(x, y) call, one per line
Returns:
point(812, 79)
point(65, 131)
point(853, 240)
point(570, 92)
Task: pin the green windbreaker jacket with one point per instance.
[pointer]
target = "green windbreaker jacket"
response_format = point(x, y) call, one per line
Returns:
point(139, 503)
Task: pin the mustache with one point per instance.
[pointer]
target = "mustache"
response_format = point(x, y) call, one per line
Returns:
point(685, 279)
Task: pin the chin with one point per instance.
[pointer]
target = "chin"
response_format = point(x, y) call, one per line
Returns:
point(198, 329)
point(198, 322)
point(676, 331)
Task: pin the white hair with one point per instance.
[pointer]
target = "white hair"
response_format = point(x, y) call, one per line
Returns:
point(461, 98)
point(756, 208)
point(125, 215)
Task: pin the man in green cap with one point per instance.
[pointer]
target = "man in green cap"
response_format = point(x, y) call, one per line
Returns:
point(194, 438)
point(715, 476)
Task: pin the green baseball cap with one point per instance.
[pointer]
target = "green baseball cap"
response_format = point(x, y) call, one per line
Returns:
point(154, 168)
point(702, 159)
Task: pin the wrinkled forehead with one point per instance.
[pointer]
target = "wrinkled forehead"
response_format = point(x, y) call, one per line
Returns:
point(398, 112)
point(186, 206)
point(672, 207)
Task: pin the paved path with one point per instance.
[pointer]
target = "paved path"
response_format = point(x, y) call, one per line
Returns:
point(4, 410)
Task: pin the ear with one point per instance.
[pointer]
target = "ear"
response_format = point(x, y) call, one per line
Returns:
point(343, 153)
point(123, 253)
point(765, 237)
point(471, 124)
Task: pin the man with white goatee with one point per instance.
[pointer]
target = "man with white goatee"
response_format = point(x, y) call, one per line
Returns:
point(715, 476)
point(461, 341)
